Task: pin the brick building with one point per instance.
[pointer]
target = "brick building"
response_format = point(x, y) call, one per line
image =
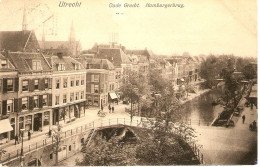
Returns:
point(33, 103)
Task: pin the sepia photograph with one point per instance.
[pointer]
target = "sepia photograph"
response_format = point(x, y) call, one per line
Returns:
point(128, 82)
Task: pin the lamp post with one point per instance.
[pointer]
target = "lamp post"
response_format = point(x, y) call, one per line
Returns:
point(22, 158)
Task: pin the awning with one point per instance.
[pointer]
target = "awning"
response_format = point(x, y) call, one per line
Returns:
point(5, 126)
point(113, 95)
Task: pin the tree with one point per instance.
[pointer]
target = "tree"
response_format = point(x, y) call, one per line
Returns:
point(57, 137)
point(134, 87)
point(249, 72)
point(109, 153)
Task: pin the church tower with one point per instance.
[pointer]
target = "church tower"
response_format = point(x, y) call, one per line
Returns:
point(72, 41)
point(24, 26)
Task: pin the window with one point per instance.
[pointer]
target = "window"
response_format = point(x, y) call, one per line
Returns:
point(96, 101)
point(57, 100)
point(36, 84)
point(82, 79)
point(10, 85)
point(96, 78)
point(46, 83)
point(69, 147)
point(35, 102)
point(36, 65)
point(65, 82)
point(57, 84)
point(61, 67)
point(4, 63)
point(72, 81)
point(44, 100)
point(77, 66)
point(96, 88)
point(82, 95)
point(71, 96)
point(77, 96)
point(64, 98)
point(46, 120)
point(28, 122)
point(9, 106)
point(25, 103)
point(21, 121)
point(77, 80)
point(25, 85)
point(89, 100)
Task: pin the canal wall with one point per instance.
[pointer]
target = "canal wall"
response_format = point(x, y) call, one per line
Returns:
point(44, 154)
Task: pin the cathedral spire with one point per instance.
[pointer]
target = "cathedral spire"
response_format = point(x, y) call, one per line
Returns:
point(72, 33)
point(24, 28)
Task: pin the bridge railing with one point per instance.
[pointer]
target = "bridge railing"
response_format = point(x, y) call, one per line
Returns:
point(81, 129)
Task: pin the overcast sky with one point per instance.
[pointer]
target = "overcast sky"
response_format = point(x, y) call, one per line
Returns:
point(201, 27)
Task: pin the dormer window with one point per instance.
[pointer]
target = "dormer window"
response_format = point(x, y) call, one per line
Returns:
point(77, 66)
point(36, 65)
point(61, 67)
point(4, 63)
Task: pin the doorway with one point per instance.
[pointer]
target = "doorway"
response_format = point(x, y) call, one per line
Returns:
point(37, 123)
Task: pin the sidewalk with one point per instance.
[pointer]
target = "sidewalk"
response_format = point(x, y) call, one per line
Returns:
point(90, 116)
point(230, 146)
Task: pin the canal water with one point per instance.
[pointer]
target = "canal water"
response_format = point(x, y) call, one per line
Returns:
point(200, 109)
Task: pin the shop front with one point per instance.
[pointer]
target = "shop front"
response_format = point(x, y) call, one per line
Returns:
point(5, 130)
point(68, 113)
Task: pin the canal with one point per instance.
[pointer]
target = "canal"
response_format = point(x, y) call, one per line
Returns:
point(197, 110)
point(200, 109)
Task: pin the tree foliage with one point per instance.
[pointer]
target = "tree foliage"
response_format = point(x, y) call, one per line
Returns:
point(109, 153)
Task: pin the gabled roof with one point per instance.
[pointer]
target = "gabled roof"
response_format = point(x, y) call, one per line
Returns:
point(15, 41)
point(67, 61)
point(102, 63)
point(55, 47)
point(22, 61)
point(114, 55)
point(145, 52)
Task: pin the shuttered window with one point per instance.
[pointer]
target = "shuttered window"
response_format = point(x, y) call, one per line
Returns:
point(10, 85)
point(44, 100)
point(35, 101)
point(10, 107)
point(24, 103)
point(25, 85)
point(71, 97)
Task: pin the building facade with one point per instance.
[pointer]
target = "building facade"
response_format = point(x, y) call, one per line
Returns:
point(69, 87)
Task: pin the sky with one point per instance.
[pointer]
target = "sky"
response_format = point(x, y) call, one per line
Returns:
point(200, 27)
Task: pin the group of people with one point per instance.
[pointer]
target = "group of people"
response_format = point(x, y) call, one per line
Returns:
point(18, 138)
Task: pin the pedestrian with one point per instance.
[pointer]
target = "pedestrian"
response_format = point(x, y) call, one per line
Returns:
point(29, 135)
point(112, 109)
point(243, 118)
point(49, 132)
point(16, 139)
point(109, 108)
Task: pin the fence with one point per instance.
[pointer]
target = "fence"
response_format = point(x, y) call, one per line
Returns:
point(99, 124)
